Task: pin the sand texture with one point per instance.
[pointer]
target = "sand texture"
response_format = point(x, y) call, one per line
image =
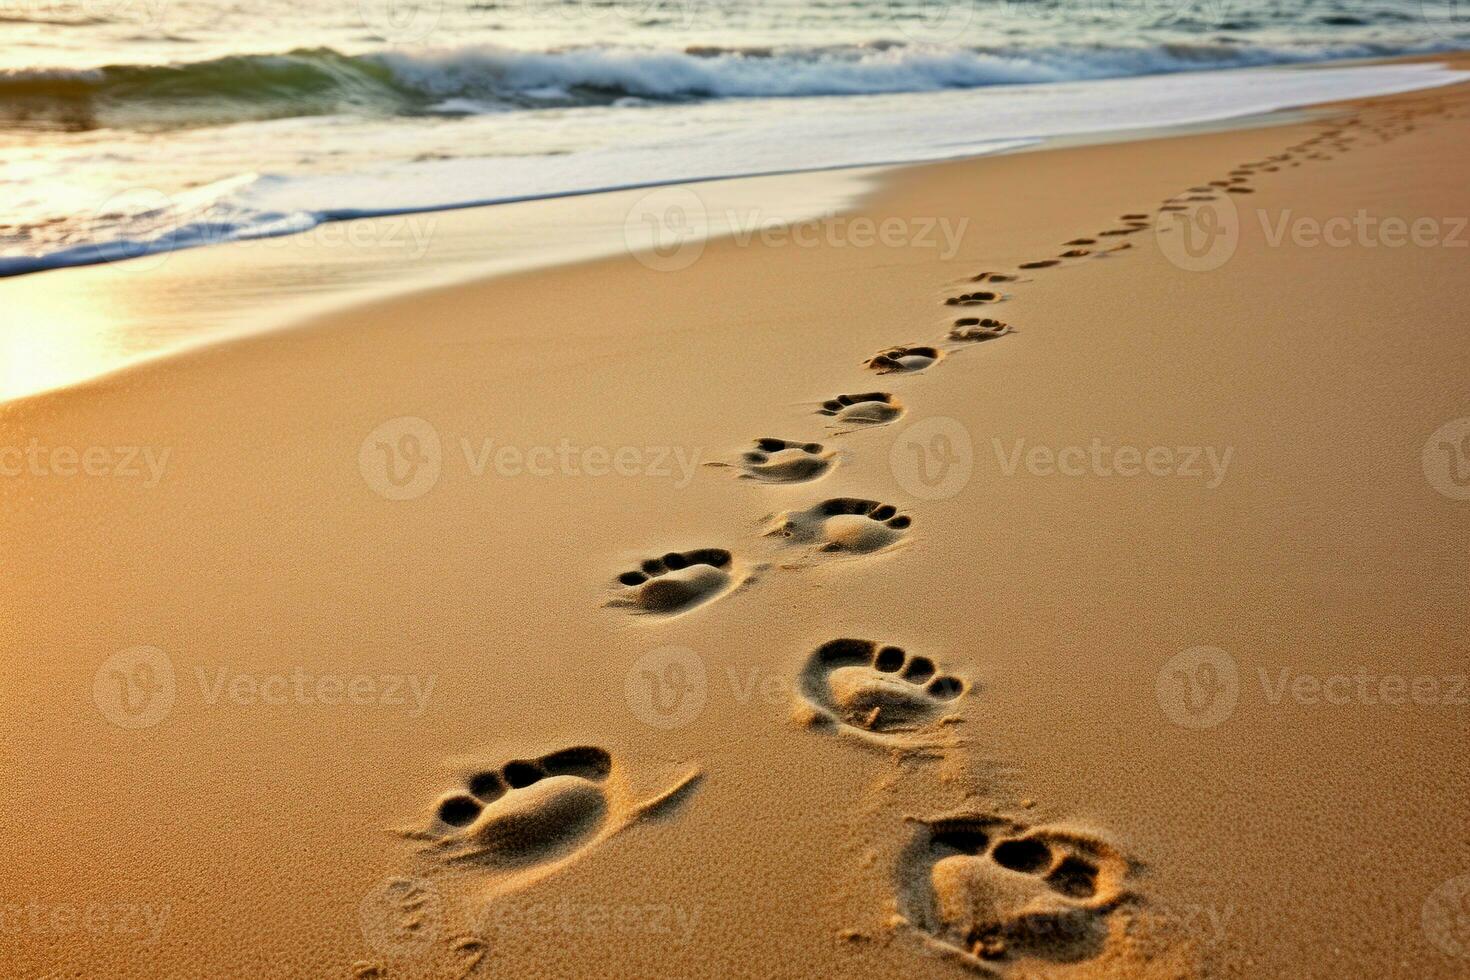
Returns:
point(797, 611)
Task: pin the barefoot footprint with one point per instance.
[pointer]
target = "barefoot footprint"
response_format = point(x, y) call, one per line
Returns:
point(868, 408)
point(878, 693)
point(679, 581)
point(906, 359)
point(528, 817)
point(974, 299)
point(780, 461)
point(996, 892)
point(844, 524)
point(974, 329)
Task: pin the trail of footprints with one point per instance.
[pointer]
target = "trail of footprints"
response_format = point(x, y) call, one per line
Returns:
point(987, 889)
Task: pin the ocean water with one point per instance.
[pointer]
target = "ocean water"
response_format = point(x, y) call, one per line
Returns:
point(132, 126)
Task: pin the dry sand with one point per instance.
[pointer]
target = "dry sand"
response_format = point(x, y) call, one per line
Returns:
point(357, 764)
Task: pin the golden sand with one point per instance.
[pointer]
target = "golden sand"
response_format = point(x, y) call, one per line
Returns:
point(1111, 629)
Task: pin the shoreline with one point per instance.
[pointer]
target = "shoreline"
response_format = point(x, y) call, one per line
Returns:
point(1276, 836)
point(378, 257)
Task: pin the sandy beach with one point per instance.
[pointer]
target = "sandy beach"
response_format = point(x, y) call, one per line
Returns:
point(1055, 565)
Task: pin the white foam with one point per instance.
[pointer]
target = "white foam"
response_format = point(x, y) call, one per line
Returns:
point(822, 133)
point(483, 70)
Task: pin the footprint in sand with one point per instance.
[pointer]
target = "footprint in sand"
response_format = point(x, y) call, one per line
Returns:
point(530, 816)
point(781, 461)
point(993, 277)
point(678, 582)
point(878, 693)
point(1041, 264)
point(904, 359)
point(1076, 253)
point(1081, 241)
point(974, 299)
point(974, 329)
point(995, 892)
point(844, 524)
point(868, 408)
